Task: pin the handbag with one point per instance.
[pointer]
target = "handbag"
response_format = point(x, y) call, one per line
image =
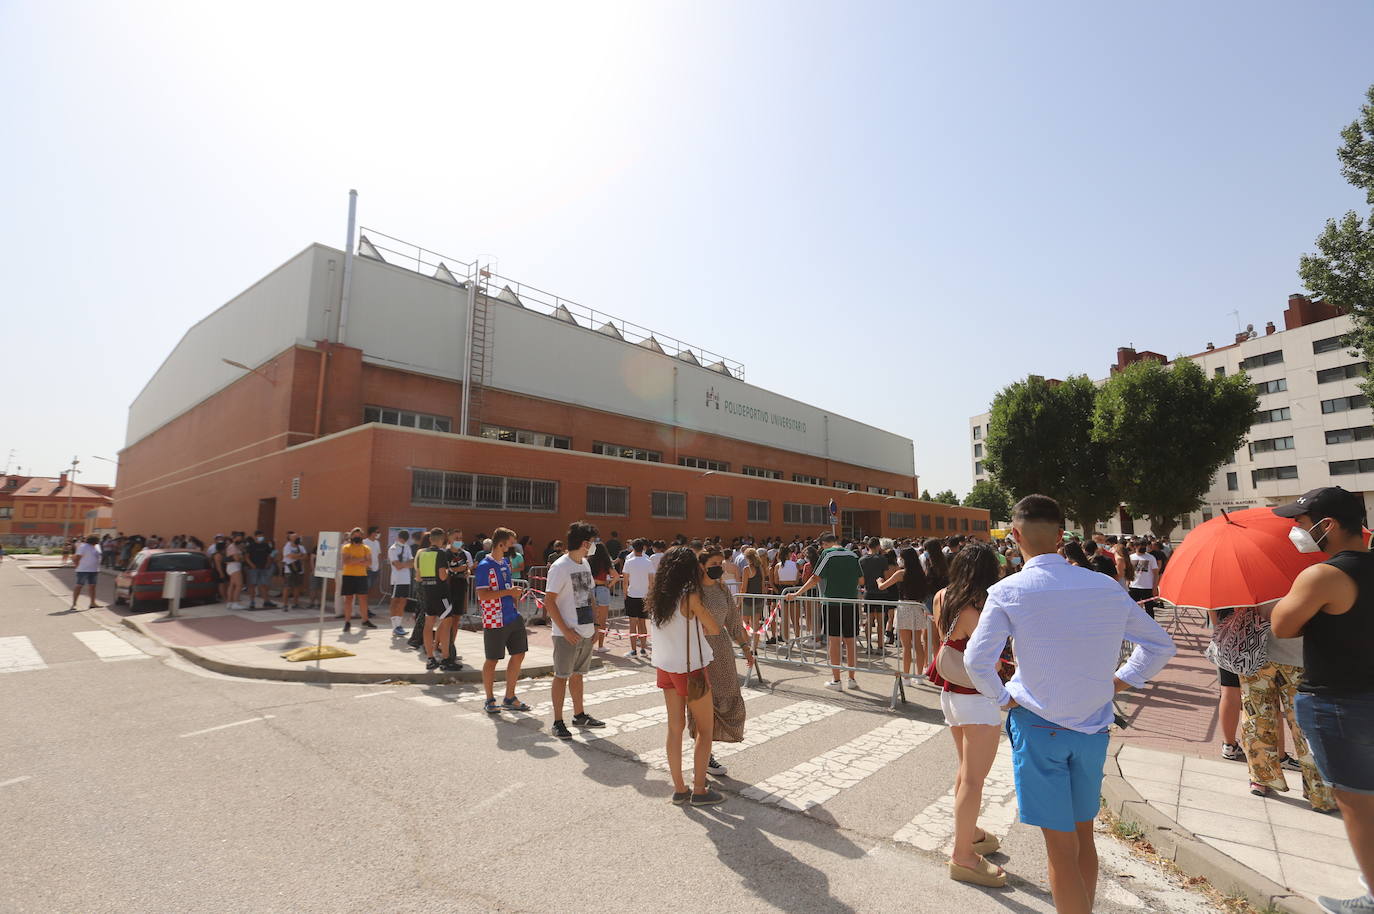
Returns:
point(1240, 642)
point(696, 685)
point(949, 663)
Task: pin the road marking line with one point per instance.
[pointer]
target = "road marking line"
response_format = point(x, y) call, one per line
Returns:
point(18, 655)
point(932, 828)
point(237, 723)
point(16, 780)
point(759, 730)
point(812, 783)
point(596, 698)
point(639, 720)
point(108, 646)
point(375, 694)
point(494, 798)
point(543, 685)
point(428, 700)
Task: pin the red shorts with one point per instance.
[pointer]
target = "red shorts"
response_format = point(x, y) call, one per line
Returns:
point(678, 681)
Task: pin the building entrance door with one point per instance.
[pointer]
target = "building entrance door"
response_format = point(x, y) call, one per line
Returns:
point(267, 517)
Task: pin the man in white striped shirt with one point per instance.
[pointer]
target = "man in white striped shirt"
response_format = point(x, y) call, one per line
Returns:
point(1066, 624)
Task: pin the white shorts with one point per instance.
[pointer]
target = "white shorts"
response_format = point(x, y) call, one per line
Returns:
point(911, 617)
point(962, 710)
point(233, 568)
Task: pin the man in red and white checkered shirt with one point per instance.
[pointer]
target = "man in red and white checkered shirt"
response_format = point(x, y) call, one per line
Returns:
point(503, 628)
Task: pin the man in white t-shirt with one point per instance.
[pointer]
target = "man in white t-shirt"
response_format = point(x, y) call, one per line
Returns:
point(87, 569)
point(402, 559)
point(1144, 583)
point(374, 559)
point(656, 555)
point(570, 589)
point(639, 580)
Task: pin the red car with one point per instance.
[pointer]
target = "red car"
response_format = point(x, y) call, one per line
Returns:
point(141, 584)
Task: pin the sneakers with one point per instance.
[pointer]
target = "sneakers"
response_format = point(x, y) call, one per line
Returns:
point(602, 649)
point(1232, 752)
point(709, 798)
point(586, 720)
point(1289, 763)
point(398, 632)
point(853, 683)
point(1362, 905)
point(268, 604)
point(450, 666)
point(716, 768)
point(633, 653)
point(368, 623)
point(348, 627)
point(835, 685)
point(561, 730)
point(680, 799)
point(432, 663)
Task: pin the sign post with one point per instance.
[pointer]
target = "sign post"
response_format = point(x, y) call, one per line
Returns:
point(326, 567)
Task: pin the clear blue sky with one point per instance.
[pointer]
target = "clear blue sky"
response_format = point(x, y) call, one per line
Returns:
point(890, 209)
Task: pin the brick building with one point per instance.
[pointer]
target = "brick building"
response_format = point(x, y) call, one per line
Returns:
point(345, 406)
point(39, 506)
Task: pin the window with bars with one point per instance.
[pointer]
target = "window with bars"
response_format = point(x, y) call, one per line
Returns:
point(1269, 474)
point(1350, 467)
point(718, 507)
point(802, 477)
point(390, 416)
point(899, 521)
point(611, 501)
point(1341, 404)
point(1346, 435)
point(1342, 372)
point(762, 472)
point(525, 436)
point(1258, 361)
point(701, 463)
point(1278, 385)
point(760, 511)
point(793, 513)
point(468, 490)
point(627, 452)
point(668, 505)
point(1282, 414)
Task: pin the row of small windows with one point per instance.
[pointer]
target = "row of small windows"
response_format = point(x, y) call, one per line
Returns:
point(525, 436)
point(1346, 435)
point(1281, 414)
point(813, 480)
point(901, 521)
point(1272, 387)
point(1269, 474)
point(624, 450)
point(1342, 372)
point(1350, 467)
point(1258, 361)
point(701, 463)
point(406, 418)
point(761, 472)
point(851, 486)
point(1341, 404)
point(1265, 445)
point(473, 490)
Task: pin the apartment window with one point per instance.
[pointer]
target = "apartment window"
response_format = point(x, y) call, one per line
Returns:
point(965, 523)
point(901, 521)
point(850, 486)
point(627, 452)
point(668, 505)
point(718, 507)
point(978, 468)
point(762, 473)
point(1269, 474)
point(1330, 344)
point(1265, 445)
point(525, 436)
point(1259, 361)
point(1281, 414)
point(1219, 371)
point(977, 432)
point(939, 522)
point(1186, 521)
point(760, 511)
point(876, 490)
point(1206, 516)
point(6, 512)
point(1341, 404)
point(1232, 482)
point(977, 450)
point(1346, 435)
point(389, 416)
point(1272, 387)
point(802, 477)
point(898, 493)
point(701, 463)
point(813, 515)
point(1350, 467)
point(466, 490)
point(610, 501)
point(980, 525)
point(925, 521)
point(1342, 372)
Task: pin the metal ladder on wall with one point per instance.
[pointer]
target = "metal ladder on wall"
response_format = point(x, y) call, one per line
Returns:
point(479, 366)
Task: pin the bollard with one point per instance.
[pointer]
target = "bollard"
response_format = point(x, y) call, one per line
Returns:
point(173, 588)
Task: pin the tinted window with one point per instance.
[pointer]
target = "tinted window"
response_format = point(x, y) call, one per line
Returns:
point(177, 561)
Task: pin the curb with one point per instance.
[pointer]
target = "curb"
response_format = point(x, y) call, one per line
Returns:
point(313, 674)
point(1193, 856)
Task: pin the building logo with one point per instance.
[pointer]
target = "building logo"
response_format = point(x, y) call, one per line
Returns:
point(712, 399)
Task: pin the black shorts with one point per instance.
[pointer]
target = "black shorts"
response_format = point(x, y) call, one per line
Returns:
point(508, 639)
point(400, 591)
point(437, 602)
point(634, 608)
point(1228, 679)
point(458, 591)
point(841, 620)
point(353, 585)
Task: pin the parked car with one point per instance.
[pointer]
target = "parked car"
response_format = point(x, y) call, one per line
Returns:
point(140, 585)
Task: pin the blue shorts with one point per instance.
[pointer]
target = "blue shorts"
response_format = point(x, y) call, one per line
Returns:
point(259, 577)
point(84, 578)
point(1340, 731)
point(602, 595)
point(1058, 771)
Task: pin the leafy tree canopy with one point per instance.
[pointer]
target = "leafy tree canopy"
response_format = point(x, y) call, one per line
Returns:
point(947, 497)
point(990, 496)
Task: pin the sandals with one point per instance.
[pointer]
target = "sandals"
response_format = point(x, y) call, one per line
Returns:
point(984, 874)
point(988, 844)
point(490, 706)
point(514, 704)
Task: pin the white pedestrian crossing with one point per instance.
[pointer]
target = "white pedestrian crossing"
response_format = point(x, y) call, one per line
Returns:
point(932, 829)
point(757, 730)
point(18, 655)
point(812, 783)
point(639, 720)
point(109, 647)
point(594, 698)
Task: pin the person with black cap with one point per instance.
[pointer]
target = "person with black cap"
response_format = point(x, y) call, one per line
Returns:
point(1331, 605)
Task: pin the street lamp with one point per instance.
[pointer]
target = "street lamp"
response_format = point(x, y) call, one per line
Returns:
point(71, 489)
point(242, 367)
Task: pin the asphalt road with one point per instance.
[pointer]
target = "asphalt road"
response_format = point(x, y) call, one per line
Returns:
point(132, 781)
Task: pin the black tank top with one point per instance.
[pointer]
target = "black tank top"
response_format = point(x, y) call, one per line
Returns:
point(755, 584)
point(1337, 650)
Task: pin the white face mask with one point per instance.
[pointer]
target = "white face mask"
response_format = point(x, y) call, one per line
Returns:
point(1303, 541)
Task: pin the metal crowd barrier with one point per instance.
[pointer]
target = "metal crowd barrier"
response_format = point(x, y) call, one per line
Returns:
point(793, 633)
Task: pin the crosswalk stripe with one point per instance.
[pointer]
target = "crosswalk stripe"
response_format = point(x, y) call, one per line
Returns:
point(759, 730)
point(932, 828)
point(17, 655)
point(544, 684)
point(109, 647)
point(825, 776)
point(596, 698)
point(639, 720)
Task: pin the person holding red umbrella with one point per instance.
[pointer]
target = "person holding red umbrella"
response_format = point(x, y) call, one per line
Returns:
point(1331, 605)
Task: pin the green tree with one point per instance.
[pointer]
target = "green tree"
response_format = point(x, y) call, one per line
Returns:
point(1040, 440)
point(1167, 430)
point(925, 495)
point(990, 496)
point(947, 497)
point(1342, 272)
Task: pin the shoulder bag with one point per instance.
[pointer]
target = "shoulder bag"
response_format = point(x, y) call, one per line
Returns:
point(1240, 642)
point(696, 685)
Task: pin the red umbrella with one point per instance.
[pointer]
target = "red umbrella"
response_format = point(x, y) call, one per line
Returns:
point(1239, 559)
